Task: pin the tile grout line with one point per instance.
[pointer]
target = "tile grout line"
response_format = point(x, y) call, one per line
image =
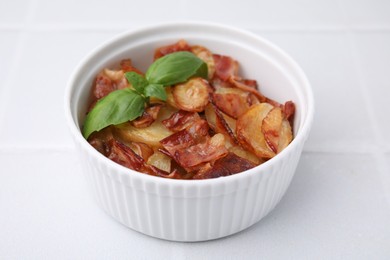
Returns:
point(379, 154)
point(46, 27)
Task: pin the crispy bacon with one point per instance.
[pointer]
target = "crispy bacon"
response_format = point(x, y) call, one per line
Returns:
point(228, 165)
point(211, 150)
point(103, 86)
point(225, 67)
point(123, 155)
point(180, 120)
point(217, 83)
point(108, 81)
point(181, 45)
point(289, 112)
point(214, 128)
point(185, 137)
point(240, 83)
point(148, 117)
point(127, 66)
point(232, 102)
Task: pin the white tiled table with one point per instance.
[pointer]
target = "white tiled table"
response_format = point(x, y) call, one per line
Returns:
point(338, 205)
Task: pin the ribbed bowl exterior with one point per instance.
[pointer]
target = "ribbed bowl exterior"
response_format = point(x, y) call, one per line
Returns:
point(192, 212)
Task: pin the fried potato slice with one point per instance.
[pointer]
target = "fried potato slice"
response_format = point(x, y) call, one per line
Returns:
point(170, 100)
point(249, 132)
point(271, 127)
point(192, 96)
point(285, 135)
point(150, 135)
point(205, 55)
point(241, 152)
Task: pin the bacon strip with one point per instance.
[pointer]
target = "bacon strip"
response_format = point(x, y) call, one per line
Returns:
point(127, 66)
point(231, 104)
point(239, 83)
point(225, 67)
point(289, 112)
point(210, 150)
point(186, 137)
point(103, 86)
point(181, 45)
point(123, 155)
point(110, 80)
point(180, 120)
point(228, 165)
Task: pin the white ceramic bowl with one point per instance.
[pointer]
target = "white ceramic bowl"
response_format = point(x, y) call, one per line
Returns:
point(192, 210)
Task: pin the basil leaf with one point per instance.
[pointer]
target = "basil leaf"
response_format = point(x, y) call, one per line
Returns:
point(117, 107)
point(155, 90)
point(176, 68)
point(137, 81)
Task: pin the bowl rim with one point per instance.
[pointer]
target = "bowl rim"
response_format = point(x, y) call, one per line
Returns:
point(300, 137)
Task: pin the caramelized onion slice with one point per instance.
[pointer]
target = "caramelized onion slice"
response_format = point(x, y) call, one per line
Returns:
point(249, 132)
point(220, 122)
point(161, 161)
point(205, 55)
point(192, 95)
point(141, 149)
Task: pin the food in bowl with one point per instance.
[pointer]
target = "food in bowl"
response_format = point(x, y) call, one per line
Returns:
point(190, 116)
point(182, 210)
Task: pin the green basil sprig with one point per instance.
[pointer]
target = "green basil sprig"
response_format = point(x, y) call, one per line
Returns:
point(127, 104)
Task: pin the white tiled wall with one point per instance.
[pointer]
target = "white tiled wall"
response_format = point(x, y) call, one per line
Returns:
point(338, 205)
